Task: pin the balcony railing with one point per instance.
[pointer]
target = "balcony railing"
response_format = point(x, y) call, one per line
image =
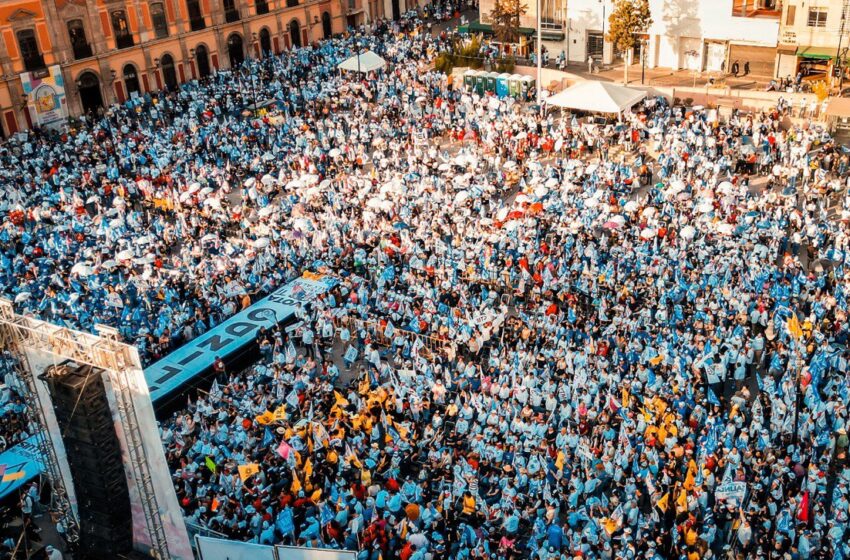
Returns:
point(83, 50)
point(123, 41)
point(231, 15)
point(32, 63)
point(757, 8)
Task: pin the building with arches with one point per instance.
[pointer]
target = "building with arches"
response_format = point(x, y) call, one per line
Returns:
point(109, 50)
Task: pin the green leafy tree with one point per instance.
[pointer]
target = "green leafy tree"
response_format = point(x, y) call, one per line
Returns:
point(505, 15)
point(629, 18)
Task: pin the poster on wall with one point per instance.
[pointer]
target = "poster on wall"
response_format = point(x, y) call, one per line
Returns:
point(45, 91)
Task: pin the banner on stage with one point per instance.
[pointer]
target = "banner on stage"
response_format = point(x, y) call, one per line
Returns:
point(181, 366)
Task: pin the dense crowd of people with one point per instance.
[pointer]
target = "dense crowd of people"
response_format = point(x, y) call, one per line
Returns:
point(547, 339)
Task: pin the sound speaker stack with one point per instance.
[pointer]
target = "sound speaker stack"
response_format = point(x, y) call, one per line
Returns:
point(94, 456)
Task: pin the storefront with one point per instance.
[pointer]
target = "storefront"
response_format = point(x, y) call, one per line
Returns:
point(762, 60)
point(814, 63)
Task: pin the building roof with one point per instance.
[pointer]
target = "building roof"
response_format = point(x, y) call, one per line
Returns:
point(838, 107)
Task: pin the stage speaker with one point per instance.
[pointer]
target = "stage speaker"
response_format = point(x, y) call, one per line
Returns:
point(94, 455)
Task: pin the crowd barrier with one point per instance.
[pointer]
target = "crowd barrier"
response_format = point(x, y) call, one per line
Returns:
point(431, 345)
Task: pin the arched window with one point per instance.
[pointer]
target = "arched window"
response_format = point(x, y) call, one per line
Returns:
point(196, 19)
point(160, 22)
point(88, 87)
point(79, 42)
point(123, 36)
point(29, 50)
point(262, 6)
point(230, 11)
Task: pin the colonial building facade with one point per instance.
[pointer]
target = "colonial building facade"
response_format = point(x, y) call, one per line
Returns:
point(108, 50)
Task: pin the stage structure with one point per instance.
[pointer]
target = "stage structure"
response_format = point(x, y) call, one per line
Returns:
point(41, 350)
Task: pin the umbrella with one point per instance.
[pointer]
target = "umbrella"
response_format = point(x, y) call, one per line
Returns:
point(677, 186)
point(184, 197)
point(124, 255)
point(631, 206)
point(647, 233)
point(551, 182)
point(268, 180)
point(461, 197)
point(520, 198)
point(265, 211)
point(535, 208)
point(612, 225)
point(688, 232)
point(335, 152)
point(268, 156)
point(540, 192)
point(705, 208)
point(515, 214)
point(250, 182)
point(207, 190)
point(81, 269)
point(510, 164)
point(511, 225)
point(648, 212)
point(23, 296)
point(725, 188)
point(502, 214)
point(401, 225)
point(261, 242)
point(618, 218)
point(194, 187)
point(213, 202)
point(725, 229)
point(209, 237)
point(109, 264)
point(118, 202)
point(593, 203)
point(444, 167)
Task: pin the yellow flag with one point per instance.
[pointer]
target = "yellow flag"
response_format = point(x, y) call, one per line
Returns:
point(682, 502)
point(340, 400)
point(247, 471)
point(308, 468)
point(664, 502)
point(610, 525)
point(296, 483)
point(794, 326)
point(266, 417)
point(317, 495)
point(280, 414)
point(689, 481)
point(559, 462)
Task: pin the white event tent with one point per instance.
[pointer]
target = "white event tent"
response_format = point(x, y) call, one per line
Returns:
point(597, 97)
point(369, 61)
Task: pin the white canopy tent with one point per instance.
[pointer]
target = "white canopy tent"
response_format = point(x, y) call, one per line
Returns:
point(597, 97)
point(369, 61)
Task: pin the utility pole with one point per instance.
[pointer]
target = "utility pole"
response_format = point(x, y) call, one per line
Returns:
point(839, 55)
point(539, 55)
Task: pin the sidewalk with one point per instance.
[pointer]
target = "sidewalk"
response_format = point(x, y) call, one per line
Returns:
point(667, 77)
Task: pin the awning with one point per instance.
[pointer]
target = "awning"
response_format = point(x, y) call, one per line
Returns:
point(365, 62)
point(478, 27)
point(597, 97)
point(816, 53)
point(838, 107)
point(553, 35)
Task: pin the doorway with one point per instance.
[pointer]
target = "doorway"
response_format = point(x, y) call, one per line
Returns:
point(131, 79)
point(326, 25)
point(235, 50)
point(295, 33)
point(203, 59)
point(88, 85)
point(265, 43)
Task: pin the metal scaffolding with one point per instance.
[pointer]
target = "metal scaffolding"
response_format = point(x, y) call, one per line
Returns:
point(106, 352)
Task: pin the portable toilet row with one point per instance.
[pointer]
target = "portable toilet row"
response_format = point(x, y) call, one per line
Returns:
point(502, 85)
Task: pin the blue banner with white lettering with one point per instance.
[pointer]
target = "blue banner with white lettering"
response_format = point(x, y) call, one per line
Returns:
point(172, 372)
point(19, 465)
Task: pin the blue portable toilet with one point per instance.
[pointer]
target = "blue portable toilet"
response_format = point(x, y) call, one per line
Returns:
point(502, 87)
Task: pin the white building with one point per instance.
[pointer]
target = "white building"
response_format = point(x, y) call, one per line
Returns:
point(704, 35)
point(811, 34)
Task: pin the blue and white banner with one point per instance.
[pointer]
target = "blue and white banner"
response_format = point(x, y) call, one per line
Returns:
point(19, 465)
point(197, 356)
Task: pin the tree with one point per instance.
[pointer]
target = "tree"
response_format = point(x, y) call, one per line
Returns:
point(629, 18)
point(505, 16)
